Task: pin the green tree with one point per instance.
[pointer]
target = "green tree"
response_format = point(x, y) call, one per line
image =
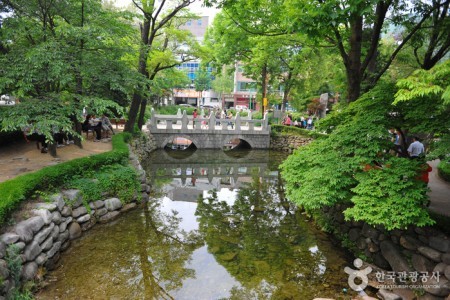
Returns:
point(355, 166)
point(354, 28)
point(69, 54)
point(155, 16)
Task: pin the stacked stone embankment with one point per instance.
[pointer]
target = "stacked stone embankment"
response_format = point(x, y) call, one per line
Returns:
point(40, 239)
point(421, 251)
point(288, 143)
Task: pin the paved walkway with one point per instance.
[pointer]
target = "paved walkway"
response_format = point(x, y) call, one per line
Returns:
point(440, 192)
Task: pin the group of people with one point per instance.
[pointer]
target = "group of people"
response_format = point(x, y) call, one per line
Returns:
point(97, 125)
point(61, 138)
point(218, 114)
point(300, 123)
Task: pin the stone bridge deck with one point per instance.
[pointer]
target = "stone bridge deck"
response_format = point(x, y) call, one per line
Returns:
point(209, 133)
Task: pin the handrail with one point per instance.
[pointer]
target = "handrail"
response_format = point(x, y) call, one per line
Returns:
point(211, 124)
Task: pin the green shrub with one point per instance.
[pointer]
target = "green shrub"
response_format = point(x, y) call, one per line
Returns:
point(173, 109)
point(444, 170)
point(116, 180)
point(16, 190)
point(292, 130)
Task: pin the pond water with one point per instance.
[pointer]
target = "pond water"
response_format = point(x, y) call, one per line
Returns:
point(218, 227)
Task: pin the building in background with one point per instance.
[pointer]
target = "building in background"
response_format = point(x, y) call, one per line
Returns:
point(189, 95)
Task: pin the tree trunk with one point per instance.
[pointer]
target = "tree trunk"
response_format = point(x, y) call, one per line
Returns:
point(263, 87)
point(353, 66)
point(142, 113)
point(137, 98)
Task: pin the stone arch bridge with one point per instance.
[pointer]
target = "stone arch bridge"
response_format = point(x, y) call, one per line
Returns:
point(209, 132)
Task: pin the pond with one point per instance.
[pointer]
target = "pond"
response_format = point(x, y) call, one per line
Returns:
point(218, 227)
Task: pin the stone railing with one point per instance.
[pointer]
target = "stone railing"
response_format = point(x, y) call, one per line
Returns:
point(185, 123)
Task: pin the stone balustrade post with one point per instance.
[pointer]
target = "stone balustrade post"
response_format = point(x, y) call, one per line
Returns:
point(169, 123)
point(184, 121)
point(212, 122)
point(238, 122)
point(153, 121)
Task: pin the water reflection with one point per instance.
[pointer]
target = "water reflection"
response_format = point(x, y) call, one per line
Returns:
point(218, 227)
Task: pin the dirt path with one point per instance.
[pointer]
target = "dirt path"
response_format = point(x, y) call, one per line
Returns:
point(21, 157)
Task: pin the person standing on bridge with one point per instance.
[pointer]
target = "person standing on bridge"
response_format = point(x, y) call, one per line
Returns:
point(194, 116)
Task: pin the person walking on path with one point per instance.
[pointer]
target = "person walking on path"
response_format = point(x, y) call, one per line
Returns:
point(416, 148)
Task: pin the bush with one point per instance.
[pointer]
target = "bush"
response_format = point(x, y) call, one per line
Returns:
point(292, 130)
point(173, 109)
point(444, 170)
point(116, 180)
point(16, 190)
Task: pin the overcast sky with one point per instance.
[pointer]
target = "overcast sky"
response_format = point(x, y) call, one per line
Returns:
point(196, 7)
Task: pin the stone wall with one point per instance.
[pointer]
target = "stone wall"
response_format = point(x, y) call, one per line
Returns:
point(52, 225)
point(143, 145)
point(418, 249)
point(288, 142)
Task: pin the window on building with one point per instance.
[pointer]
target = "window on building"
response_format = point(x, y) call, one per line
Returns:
point(188, 23)
point(243, 86)
point(199, 22)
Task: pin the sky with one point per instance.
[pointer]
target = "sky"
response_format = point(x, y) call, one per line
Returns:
point(196, 7)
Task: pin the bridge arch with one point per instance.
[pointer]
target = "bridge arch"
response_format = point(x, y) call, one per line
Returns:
point(170, 138)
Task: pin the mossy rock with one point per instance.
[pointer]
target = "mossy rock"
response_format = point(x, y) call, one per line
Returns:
point(228, 256)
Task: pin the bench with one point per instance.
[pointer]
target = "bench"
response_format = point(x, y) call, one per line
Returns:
point(118, 122)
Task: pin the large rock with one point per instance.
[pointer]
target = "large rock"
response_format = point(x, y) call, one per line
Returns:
point(388, 295)
point(354, 234)
point(44, 214)
point(55, 232)
point(440, 288)
point(447, 272)
point(84, 219)
point(108, 217)
point(446, 258)
point(41, 259)
point(113, 204)
point(74, 230)
point(410, 243)
point(100, 212)
point(74, 198)
point(370, 232)
point(29, 271)
point(47, 244)
point(56, 217)
point(128, 207)
point(58, 200)
point(27, 228)
point(66, 211)
point(55, 248)
point(421, 264)
point(63, 236)
point(394, 257)
point(44, 233)
point(32, 251)
point(439, 243)
point(4, 271)
point(48, 206)
point(430, 253)
point(79, 211)
point(63, 225)
point(9, 238)
point(97, 204)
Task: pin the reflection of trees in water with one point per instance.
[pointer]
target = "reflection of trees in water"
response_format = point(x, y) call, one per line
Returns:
point(262, 241)
point(164, 251)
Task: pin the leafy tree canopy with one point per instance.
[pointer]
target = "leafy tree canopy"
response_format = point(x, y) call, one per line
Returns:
point(356, 166)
